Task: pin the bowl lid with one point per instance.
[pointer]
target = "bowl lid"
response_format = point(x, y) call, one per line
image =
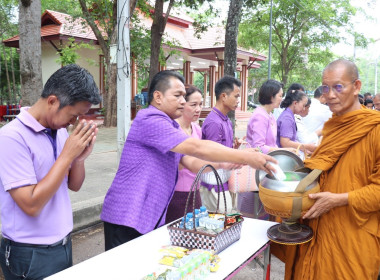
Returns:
point(287, 160)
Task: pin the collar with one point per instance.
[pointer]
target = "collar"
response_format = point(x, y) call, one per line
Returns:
point(28, 120)
point(159, 112)
point(220, 114)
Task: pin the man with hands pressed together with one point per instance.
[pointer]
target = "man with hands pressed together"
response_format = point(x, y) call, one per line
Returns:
point(40, 162)
point(346, 215)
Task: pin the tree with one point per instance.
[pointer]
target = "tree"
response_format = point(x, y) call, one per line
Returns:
point(30, 50)
point(301, 30)
point(157, 31)
point(102, 18)
point(8, 28)
point(232, 30)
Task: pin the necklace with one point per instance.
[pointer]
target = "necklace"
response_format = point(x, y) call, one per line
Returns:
point(187, 130)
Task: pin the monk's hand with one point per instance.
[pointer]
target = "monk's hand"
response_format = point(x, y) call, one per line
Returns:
point(324, 202)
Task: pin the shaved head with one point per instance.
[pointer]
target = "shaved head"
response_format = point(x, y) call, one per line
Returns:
point(350, 68)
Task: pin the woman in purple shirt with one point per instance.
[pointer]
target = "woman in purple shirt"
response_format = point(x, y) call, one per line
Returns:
point(187, 123)
point(262, 134)
point(294, 103)
point(262, 128)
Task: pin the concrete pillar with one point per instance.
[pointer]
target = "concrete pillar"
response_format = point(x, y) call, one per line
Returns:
point(212, 85)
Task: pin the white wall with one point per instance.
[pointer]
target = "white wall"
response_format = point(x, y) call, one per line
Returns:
point(89, 59)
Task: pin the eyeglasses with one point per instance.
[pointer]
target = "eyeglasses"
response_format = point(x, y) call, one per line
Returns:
point(338, 88)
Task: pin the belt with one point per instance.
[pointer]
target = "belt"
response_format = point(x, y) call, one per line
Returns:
point(62, 242)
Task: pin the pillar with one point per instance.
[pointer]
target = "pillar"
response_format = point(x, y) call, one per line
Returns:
point(212, 85)
point(186, 72)
point(244, 87)
point(205, 85)
point(220, 68)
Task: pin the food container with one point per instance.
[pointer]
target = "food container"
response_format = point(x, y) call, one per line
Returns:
point(210, 178)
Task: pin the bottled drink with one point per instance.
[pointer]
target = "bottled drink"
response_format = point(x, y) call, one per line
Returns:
point(203, 211)
point(197, 217)
point(189, 221)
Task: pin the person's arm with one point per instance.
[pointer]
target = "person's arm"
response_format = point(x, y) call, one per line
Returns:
point(287, 143)
point(211, 151)
point(31, 199)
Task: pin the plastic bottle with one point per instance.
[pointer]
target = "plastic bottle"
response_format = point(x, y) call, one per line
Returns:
point(189, 221)
point(197, 217)
point(204, 212)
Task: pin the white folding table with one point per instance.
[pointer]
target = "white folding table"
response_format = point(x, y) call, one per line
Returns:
point(139, 257)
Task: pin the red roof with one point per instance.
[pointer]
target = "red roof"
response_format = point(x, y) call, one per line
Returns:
point(56, 26)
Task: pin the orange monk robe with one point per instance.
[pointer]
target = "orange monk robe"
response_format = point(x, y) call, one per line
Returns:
point(346, 242)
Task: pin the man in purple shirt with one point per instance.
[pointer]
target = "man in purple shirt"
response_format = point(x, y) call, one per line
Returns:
point(217, 127)
point(140, 193)
point(40, 162)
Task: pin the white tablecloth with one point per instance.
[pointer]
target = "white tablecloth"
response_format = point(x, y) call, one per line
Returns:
point(139, 257)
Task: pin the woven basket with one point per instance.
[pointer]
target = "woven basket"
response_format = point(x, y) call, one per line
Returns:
point(193, 239)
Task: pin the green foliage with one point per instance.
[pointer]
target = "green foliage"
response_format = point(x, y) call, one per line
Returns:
point(70, 7)
point(68, 54)
point(303, 31)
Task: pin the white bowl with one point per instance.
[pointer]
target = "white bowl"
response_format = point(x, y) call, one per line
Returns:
point(210, 178)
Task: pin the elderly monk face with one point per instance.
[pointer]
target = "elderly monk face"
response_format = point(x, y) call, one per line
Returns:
point(340, 89)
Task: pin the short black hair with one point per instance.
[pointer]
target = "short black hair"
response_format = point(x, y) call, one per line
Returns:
point(368, 101)
point(361, 98)
point(161, 82)
point(268, 90)
point(190, 89)
point(226, 85)
point(367, 94)
point(318, 92)
point(294, 95)
point(72, 84)
point(308, 102)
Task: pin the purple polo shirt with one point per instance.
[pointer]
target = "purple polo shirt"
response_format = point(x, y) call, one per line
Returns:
point(286, 126)
point(27, 155)
point(144, 183)
point(262, 130)
point(218, 128)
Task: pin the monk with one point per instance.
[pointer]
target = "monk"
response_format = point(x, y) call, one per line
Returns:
point(346, 215)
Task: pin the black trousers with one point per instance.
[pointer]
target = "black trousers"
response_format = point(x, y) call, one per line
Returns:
point(115, 235)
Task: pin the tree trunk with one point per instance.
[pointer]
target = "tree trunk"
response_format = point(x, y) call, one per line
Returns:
point(30, 50)
point(109, 97)
point(7, 74)
point(230, 49)
point(157, 30)
point(232, 30)
point(13, 77)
